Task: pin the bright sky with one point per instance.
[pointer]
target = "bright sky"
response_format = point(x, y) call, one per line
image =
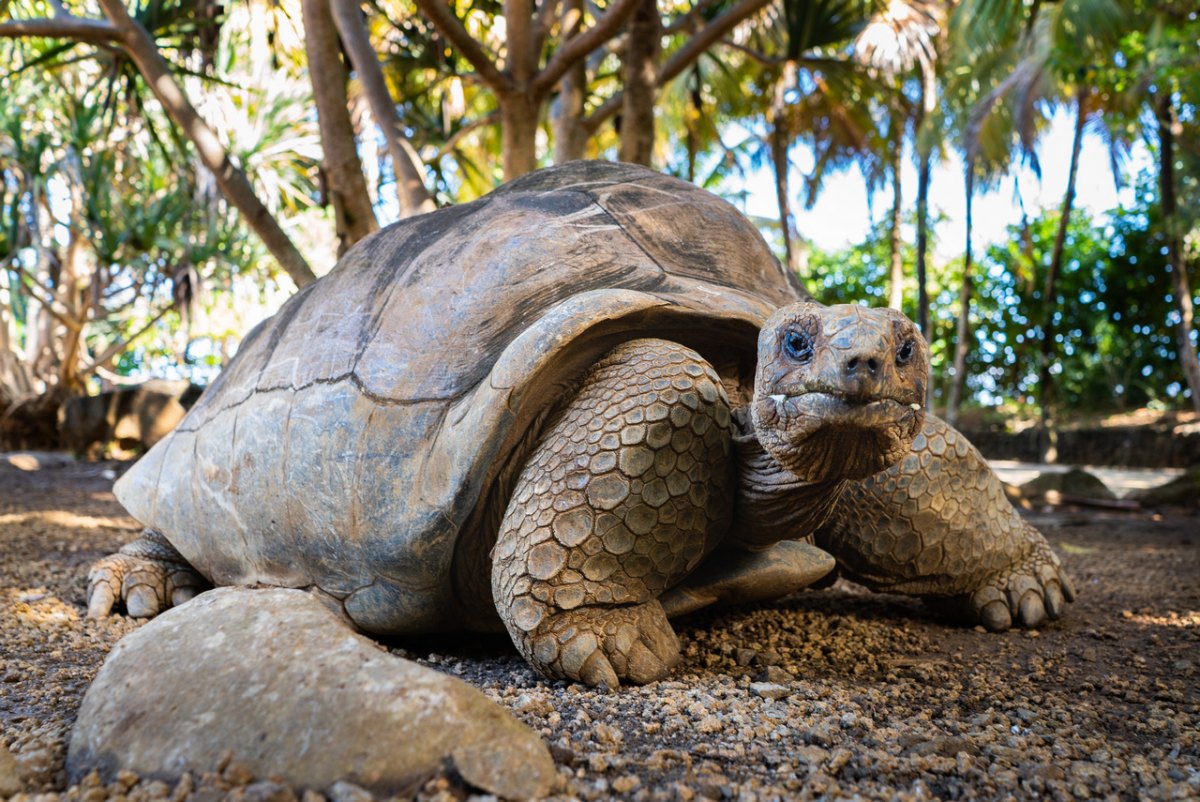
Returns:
point(840, 216)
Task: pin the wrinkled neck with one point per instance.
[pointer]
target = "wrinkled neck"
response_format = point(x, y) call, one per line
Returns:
point(773, 504)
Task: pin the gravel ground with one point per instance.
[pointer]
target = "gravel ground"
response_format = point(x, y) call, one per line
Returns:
point(837, 694)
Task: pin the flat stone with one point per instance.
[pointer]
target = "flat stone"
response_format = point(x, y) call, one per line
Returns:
point(770, 690)
point(278, 680)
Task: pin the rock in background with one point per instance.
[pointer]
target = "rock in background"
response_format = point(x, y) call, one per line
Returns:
point(1065, 487)
point(277, 680)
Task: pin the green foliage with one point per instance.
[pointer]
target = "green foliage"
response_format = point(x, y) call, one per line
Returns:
point(1115, 328)
point(77, 121)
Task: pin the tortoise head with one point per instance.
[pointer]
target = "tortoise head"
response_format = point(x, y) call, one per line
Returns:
point(840, 390)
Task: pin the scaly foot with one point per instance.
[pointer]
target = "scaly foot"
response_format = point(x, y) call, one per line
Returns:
point(148, 575)
point(605, 645)
point(1028, 593)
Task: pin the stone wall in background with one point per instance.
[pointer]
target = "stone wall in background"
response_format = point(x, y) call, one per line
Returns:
point(1127, 446)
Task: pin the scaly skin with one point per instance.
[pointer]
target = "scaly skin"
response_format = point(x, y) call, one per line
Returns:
point(147, 574)
point(627, 491)
point(938, 524)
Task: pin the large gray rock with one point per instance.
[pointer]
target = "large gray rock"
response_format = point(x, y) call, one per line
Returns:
point(1057, 487)
point(280, 681)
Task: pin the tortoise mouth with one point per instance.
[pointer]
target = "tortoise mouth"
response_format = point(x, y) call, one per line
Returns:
point(843, 411)
point(821, 435)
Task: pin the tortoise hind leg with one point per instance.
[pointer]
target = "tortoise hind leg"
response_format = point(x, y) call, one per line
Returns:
point(624, 494)
point(148, 574)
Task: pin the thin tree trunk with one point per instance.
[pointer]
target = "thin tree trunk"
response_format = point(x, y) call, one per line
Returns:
point(640, 68)
point(685, 56)
point(521, 106)
point(896, 274)
point(779, 163)
point(354, 216)
point(570, 137)
point(923, 177)
point(69, 284)
point(693, 113)
point(233, 182)
point(1181, 287)
point(779, 154)
point(928, 101)
point(958, 378)
point(406, 162)
point(1050, 292)
point(519, 126)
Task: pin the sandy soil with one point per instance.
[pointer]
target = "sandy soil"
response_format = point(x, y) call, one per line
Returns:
point(830, 695)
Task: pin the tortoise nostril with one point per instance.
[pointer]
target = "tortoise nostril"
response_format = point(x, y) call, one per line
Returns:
point(869, 365)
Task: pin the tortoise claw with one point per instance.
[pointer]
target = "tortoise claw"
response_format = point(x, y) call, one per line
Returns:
point(147, 575)
point(1031, 592)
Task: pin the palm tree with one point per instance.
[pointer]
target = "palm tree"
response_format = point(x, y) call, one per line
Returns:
point(896, 43)
point(987, 145)
point(1056, 52)
point(816, 94)
point(1160, 78)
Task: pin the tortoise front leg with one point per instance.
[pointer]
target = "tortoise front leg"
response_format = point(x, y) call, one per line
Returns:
point(625, 493)
point(938, 524)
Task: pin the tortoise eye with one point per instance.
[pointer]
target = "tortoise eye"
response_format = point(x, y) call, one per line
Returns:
point(905, 352)
point(798, 345)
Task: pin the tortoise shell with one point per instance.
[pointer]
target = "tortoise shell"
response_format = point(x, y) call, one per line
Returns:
point(360, 440)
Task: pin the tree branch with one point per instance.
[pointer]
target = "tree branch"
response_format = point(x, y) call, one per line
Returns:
point(682, 58)
point(546, 14)
point(46, 299)
point(457, 136)
point(685, 20)
point(444, 20)
point(92, 31)
point(410, 174)
point(119, 345)
point(234, 185)
point(342, 169)
point(707, 36)
point(580, 45)
point(754, 55)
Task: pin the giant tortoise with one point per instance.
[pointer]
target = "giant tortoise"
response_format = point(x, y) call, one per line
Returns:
point(583, 404)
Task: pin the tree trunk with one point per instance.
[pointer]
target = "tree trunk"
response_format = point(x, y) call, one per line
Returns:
point(519, 126)
point(780, 161)
point(959, 371)
point(406, 162)
point(1180, 285)
point(69, 286)
point(695, 109)
point(896, 274)
point(1050, 292)
point(233, 182)
point(343, 172)
point(570, 137)
point(640, 71)
point(923, 177)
